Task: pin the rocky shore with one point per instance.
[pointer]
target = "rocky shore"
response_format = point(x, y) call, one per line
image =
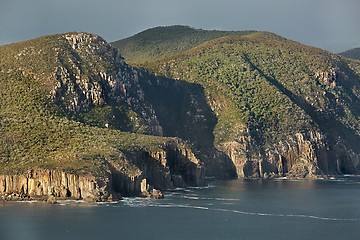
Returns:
point(173, 165)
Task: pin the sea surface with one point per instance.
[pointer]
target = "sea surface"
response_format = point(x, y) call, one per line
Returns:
point(240, 209)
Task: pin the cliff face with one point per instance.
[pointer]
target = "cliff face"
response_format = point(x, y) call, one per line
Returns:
point(301, 155)
point(344, 160)
point(246, 105)
point(91, 74)
point(308, 153)
point(39, 182)
point(264, 106)
point(72, 113)
point(173, 166)
point(304, 155)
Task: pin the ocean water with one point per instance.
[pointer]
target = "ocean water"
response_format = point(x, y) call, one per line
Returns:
point(239, 209)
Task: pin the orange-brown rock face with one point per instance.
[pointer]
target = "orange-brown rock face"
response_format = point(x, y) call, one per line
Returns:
point(161, 169)
point(302, 155)
point(39, 182)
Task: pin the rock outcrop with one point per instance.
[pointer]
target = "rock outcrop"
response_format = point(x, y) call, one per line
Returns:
point(84, 79)
point(280, 108)
point(149, 192)
point(303, 155)
point(328, 78)
point(237, 113)
point(172, 166)
point(40, 183)
point(92, 74)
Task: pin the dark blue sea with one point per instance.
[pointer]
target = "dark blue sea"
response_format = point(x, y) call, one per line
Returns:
point(240, 209)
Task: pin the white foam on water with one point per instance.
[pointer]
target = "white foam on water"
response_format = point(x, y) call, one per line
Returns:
point(27, 201)
point(136, 202)
point(192, 197)
point(179, 206)
point(211, 199)
point(287, 215)
point(179, 190)
point(205, 187)
point(335, 180)
point(226, 199)
point(280, 178)
point(68, 201)
point(253, 213)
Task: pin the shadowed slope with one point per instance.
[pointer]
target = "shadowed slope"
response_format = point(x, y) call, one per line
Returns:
point(281, 107)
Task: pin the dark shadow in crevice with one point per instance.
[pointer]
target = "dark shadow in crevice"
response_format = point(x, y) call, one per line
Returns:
point(183, 111)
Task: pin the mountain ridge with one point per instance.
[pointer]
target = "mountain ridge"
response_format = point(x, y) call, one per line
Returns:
point(352, 53)
point(225, 104)
point(317, 88)
point(71, 106)
point(171, 39)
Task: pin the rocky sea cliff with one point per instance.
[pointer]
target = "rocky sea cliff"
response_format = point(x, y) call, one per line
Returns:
point(79, 122)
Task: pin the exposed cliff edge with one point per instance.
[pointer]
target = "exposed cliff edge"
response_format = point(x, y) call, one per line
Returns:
point(305, 155)
point(308, 153)
point(265, 106)
point(72, 121)
point(78, 122)
point(95, 85)
point(170, 167)
point(39, 183)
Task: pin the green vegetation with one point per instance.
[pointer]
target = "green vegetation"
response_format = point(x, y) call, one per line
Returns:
point(38, 133)
point(353, 53)
point(163, 42)
point(62, 107)
point(33, 135)
point(257, 83)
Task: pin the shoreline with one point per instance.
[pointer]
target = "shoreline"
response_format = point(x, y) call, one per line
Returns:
point(16, 197)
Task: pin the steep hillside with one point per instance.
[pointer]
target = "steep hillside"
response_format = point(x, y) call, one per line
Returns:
point(353, 53)
point(279, 108)
point(63, 100)
point(79, 122)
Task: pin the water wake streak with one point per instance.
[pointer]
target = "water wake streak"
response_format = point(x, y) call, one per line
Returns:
point(256, 213)
point(205, 198)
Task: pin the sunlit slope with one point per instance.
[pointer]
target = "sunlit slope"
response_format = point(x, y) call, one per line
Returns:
point(61, 107)
point(266, 92)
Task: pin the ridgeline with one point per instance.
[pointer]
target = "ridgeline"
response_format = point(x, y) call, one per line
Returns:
point(80, 121)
